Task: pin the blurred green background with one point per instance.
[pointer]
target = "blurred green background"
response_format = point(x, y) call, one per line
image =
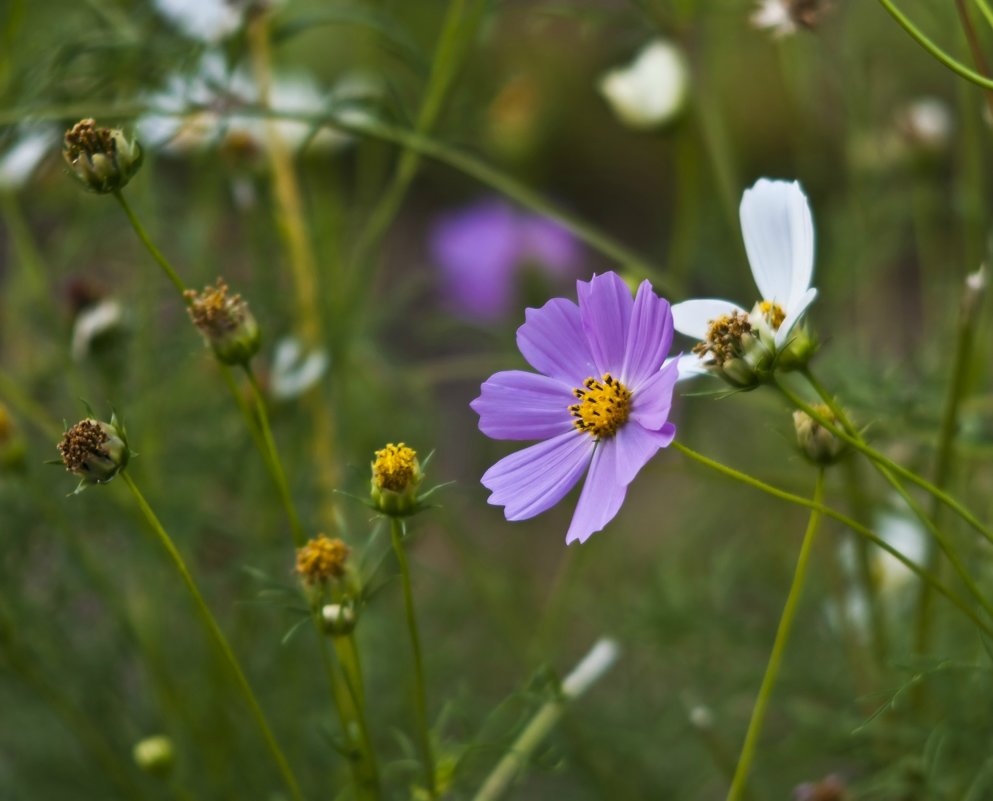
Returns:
point(98, 646)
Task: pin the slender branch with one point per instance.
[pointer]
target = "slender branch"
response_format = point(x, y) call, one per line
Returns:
point(163, 262)
point(783, 631)
point(214, 630)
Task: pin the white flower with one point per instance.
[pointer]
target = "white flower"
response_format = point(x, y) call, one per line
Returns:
point(926, 123)
point(904, 533)
point(774, 16)
point(779, 239)
point(649, 91)
point(23, 157)
point(292, 372)
point(92, 323)
point(205, 20)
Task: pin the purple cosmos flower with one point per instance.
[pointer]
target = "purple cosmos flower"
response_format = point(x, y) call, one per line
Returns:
point(480, 249)
point(601, 402)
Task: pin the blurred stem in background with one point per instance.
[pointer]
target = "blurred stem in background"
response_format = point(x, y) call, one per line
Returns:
point(292, 224)
point(397, 531)
point(962, 605)
point(971, 301)
point(783, 632)
point(218, 638)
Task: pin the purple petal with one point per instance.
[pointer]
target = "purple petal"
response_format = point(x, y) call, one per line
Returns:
point(651, 402)
point(605, 307)
point(553, 342)
point(636, 445)
point(519, 405)
point(477, 250)
point(532, 480)
point(649, 337)
point(602, 494)
point(551, 245)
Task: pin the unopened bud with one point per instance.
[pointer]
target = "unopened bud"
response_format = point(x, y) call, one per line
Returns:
point(322, 558)
point(102, 159)
point(817, 443)
point(396, 477)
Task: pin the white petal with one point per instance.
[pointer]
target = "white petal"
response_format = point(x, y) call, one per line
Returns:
point(690, 366)
point(793, 316)
point(649, 91)
point(779, 239)
point(693, 317)
point(17, 164)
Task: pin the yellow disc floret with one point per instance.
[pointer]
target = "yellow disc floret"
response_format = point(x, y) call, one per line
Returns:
point(322, 558)
point(395, 467)
point(773, 313)
point(603, 406)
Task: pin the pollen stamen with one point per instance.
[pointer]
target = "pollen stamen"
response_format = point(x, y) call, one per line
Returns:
point(724, 338)
point(773, 313)
point(604, 406)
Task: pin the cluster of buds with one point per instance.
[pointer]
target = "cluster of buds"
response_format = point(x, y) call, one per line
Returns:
point(102, 159)
point(741, 348)
point(95, 451)
point(226, 323)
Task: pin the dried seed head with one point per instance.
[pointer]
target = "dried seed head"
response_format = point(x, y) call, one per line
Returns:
point(226, 323)
point(102, 159)
point(94, 450)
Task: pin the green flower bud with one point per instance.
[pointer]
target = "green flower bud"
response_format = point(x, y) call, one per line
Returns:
point(396, 477)
point(818, 444)
point(799, 349)
point(95, 451)
point(155, 755)
point(102, 159)
point(226, 323)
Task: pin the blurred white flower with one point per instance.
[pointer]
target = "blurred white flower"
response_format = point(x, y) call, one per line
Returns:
point(205, 20)
point(103, 318)
point(650, 90)
point(904, 533)
point(21, 159)
point(785, 17)
point(201, 110)
point(926, 123)
point(778, 230)
point(293, 373)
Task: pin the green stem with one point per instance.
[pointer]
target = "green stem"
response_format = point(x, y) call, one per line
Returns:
point(851, 436)
point(855, 526)
point(597, 662)
point(272, 460)
point(778, 649)
point(953, 64)
point(210, 623)
point(351, 707)
point(986, 11)
point(939, 536)
point(420, 702)
point(139, 229)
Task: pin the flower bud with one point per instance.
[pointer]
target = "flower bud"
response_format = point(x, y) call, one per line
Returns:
point(226, 323)
point(817, 443)
point(396, 477)
point(95, 451)
point(322, 558)
point(155, 755)
point(102, 159)
point(339, 619)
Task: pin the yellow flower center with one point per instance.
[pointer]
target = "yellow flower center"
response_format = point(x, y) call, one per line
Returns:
point(322, 558)
point(724, 336)
point(603, 406)
point(394, 467)
point(773, 313)
point(213, 310)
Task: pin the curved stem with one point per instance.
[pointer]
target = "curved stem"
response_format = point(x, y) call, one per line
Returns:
point(783, 631)
point(139, 229)
point(860, 445)
point(953, 64)
point(855, 526)
point(273, 462)
point(210, 623)
point(420, 702)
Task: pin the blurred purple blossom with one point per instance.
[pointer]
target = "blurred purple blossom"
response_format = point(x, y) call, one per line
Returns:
point(481, 248)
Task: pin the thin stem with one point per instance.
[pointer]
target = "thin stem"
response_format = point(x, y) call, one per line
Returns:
point(855, 526)
point(953, 64)
point(590, 669)
point(351, 707)
point(139, 229)
point(975, 47)
point(273, 462)
point(420, 702)
point(778, 649)
point(852, 437)
point(986, 11)
point(210, 623)
point(884, 471)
